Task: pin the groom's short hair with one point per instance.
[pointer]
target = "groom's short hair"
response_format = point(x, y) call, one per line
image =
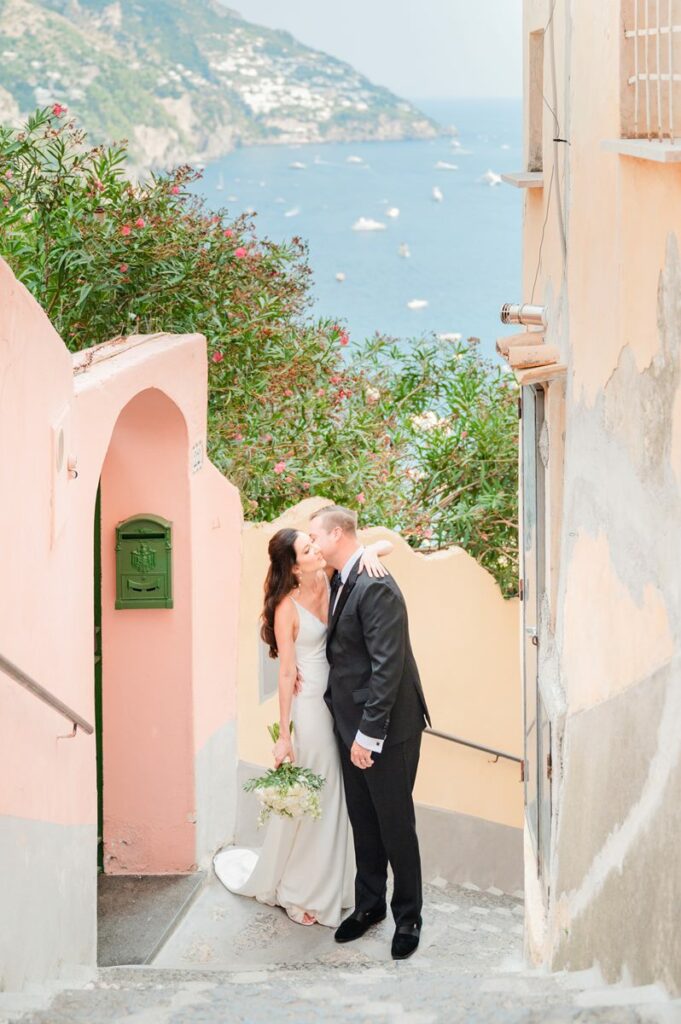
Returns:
point(337, 515)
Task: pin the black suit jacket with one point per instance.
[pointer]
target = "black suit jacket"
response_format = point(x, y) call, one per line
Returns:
point(374, 684)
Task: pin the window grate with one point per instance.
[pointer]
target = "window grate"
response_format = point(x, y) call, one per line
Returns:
point(652, 70)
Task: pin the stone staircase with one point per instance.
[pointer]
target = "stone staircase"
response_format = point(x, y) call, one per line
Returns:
point(231, 959)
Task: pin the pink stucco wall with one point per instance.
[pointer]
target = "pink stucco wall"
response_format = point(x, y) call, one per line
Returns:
point(146, 661)
point(40, 776)
point(134, 413)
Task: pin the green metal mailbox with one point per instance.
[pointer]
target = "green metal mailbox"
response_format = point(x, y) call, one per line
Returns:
point(144, 562)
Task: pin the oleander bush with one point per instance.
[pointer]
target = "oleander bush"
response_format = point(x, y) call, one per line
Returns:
point(419, 436)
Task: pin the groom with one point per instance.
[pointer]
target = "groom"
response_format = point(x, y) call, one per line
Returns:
point(379, 711)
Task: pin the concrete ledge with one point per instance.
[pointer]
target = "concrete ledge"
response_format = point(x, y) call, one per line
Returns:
point(524, 179)
point(665, 152)
point(463, 849)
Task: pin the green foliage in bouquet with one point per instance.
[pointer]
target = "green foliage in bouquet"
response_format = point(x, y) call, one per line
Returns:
point(419, 435)
point(275, 731)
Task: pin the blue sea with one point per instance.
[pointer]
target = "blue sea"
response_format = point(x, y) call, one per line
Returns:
point(464, 250)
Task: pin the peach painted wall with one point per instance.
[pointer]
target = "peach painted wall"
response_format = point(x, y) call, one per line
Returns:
point(465, 641)
point(610, 638)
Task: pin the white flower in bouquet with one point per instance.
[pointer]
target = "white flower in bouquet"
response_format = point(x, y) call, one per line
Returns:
point(289, 791)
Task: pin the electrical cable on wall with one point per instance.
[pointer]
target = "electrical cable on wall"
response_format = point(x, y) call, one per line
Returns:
point(557, 140)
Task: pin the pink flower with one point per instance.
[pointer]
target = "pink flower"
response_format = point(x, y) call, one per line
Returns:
point(126, 229)
point(336, 380)
point(139, 223)
point(320, 393)
point(289, 479)
point(288, 393)
point(217, 357)
point(279, 468)
point(238, 437)
point(99, 185)
point(344, 338)
point(428, 533)
point(8, 174)
point(464, 434)
point(123, 268)
point(240, 252)
point(58, 110)
point(306, 487)
point(267, 438)
point(175, 190)
point(228, 232)
point(360, 499)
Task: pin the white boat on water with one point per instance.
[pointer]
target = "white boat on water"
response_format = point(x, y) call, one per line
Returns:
point(340, 276)
point(442, 165)
point(417, 303)
point(293, 212)
point(297, 165)
point(491, 177)
point(221, 182)
point(354, 160)
point(437, 194)
point(392, 211)
point(403, 251)
point(368, 224)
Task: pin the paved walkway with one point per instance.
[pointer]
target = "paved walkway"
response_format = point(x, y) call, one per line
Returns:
point(234, 960)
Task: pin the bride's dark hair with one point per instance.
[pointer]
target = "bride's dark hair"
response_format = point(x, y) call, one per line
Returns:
point(279, 582)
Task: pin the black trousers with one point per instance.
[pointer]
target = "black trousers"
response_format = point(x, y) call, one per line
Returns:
point(381, 810)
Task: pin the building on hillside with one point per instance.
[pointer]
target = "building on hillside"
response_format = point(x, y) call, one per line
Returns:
point(120, 554)
point(600, 368)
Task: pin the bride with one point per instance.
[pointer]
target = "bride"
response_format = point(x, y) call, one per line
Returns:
point(305, 866)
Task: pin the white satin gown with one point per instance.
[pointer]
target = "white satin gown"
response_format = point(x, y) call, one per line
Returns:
point(304, 866)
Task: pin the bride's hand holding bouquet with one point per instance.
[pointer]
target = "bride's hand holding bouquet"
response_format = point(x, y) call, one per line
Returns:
point(283, 745)
point(286, 790)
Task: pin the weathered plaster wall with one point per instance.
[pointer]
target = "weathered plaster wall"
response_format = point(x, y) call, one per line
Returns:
point(465, 641)
point(611, 636)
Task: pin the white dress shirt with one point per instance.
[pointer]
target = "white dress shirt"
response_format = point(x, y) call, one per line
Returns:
point(368, 742)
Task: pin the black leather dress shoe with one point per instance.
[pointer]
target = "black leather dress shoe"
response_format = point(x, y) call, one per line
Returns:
point(406, 940)
point(357, 924)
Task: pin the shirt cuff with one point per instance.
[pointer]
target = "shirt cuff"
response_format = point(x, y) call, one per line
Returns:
point(369, 742)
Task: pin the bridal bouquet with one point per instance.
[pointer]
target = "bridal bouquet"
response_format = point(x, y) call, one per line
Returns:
point(288, 790)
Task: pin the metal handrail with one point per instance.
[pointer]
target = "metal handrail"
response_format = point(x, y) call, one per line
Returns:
point(475, 746)
point(42, 694)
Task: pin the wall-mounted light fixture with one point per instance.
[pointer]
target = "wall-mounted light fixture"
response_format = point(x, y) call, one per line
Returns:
point(523, 313)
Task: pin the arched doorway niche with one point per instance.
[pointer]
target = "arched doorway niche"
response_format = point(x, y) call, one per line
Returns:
point(147, 767)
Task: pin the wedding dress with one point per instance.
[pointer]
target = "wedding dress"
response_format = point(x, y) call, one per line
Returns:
point(304, 866)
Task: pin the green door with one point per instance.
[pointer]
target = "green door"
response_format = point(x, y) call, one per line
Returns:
point(98, 677)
